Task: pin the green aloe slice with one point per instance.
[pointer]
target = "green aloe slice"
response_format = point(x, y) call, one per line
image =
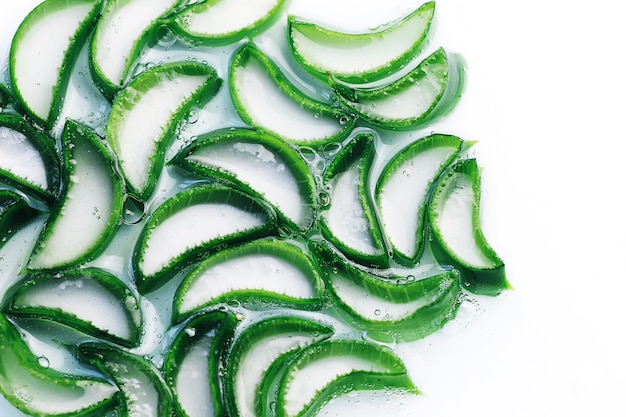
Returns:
point(42, 391)
point(363, 57)
point(427, 92)
point(143, 390)
point(7, 98)
point(454, 214)
point(28, 158)
point(261, 165)
point(403, 189)
point(219, 22)
point(43, 52)
point(195, 364)
point(256, 348)
point(123, 29)
point(191, 224)
point(14, 213)
point(144, 118)
point(265, 270)
point(331, 368)
point(90, 207)
point(348, 220)
point(90, 300)
point(265, 99)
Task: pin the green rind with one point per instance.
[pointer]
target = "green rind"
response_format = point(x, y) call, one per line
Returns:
point(71, 55)
point(485, 281)
point(249, 51)
point(203, 193)
point(14, 213)
point(127, 98)
point(326, 35)
point(7, 98)
point(254, 298)
point(75, 133)
point(112, 284)
point(49, 155)
point(15, 356)
point(293, 160)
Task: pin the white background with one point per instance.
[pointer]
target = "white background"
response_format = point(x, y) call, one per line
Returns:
point(545, 98)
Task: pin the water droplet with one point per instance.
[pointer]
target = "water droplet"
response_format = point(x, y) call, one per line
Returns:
point(134, 210)
point(193, 117)
point(190, 331)
point(377, 312)
point(343, 120)
point(165, 36)
point(43, 362)
point(324, 199)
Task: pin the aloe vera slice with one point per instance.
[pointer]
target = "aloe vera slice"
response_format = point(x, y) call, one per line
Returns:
point(144, 117)
point(261, 165)
point(272, 271)
point(403, 189)
point(427, 92)
point(28, 158)
point(454, 214)
point(331, 368)
point(90, 300)
point(348, 219)
point(90, 207)
point(219, 22)
point(194, 366)
point(256, 348)
point(42, 391)
point(14, 213)
point(191, 224)
point(124, 27)
point(6, 97)
point(43, 52)
point(363, 57)
point(265, 99)
point(143, 390)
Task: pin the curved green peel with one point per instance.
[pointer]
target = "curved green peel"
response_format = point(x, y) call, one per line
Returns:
point(14, 213)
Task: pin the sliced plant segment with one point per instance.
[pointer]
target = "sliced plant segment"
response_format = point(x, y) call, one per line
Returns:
point(217, 22)
point(123, 29)
point(331, 368)
point(265, 99)
point(261, 165)
point(14, 213)
point(256, 349)
point(144, 118)
point(193, 223)
point(143, 390)
point(397, 308)
point(425, 93)
point(42, 391)
point(6, 97)
point(28, 158)
point(43, 52)
point(264, 270)
point(194, 366)
point(454, 214)
point(363, 57)
point(403, 189)
point(90, 300)
point(90, 207)
point(348, 220)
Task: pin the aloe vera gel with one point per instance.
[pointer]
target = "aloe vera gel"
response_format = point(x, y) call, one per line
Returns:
point(210, 209)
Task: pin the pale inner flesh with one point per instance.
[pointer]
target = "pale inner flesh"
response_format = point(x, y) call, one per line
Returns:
point(223, 17)
point(19, 157)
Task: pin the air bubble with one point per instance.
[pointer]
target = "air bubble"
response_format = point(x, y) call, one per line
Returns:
point(193, 117)
point(134, 210)
point(165, 36)
point(43, 362)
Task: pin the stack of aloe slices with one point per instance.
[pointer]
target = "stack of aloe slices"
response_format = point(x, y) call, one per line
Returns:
point(232, 266)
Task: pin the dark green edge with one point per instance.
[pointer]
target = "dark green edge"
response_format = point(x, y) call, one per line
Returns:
point(220, 40)
point(104, 85)
point(270, 327)
point(124, 101)
point(97, 354)
point(12, 340)
point(7, 98)
point(297, 166)
point(490, 281)
point(104, 279)
point(224, 325)
point(395, 378)
point(203, 193)
point(75, 132)
point(14, 213)
point(49, 155)
point(248, 51)
point(360, 148)
point(391, 68)
point(252, 297)
point(407, 153)
point(71, 55)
